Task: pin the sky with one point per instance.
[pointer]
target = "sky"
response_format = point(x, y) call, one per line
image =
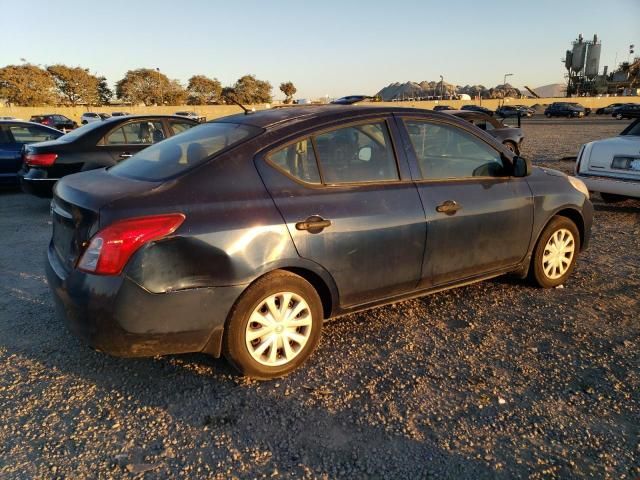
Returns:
point(326, 47)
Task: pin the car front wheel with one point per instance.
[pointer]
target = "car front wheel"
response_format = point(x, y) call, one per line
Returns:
point(555, 254)
point(274, 327)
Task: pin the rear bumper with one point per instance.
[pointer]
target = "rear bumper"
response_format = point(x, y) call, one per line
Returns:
point(36, 182)
point(117, 316)
point(626, 188)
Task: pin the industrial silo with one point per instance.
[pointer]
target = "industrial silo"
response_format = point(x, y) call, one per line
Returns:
point(593, 59)
point(578, 55)
point(567, 60)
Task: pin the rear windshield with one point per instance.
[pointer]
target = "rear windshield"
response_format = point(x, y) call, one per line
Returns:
point(182, 152)
point(78, 132)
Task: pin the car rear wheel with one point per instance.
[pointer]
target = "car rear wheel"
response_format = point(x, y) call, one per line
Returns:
point(548, 115)
point(556, 251)
point(619, 116)
point(274, 327)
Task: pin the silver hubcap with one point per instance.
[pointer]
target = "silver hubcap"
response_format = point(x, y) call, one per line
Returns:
point(278, 329)
point(558, 254)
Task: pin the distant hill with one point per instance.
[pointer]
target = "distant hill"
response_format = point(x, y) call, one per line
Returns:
point(426, 89)
point(553, 90)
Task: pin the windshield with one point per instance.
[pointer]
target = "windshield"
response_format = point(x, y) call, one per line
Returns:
point(184, 151)
point(633, 129)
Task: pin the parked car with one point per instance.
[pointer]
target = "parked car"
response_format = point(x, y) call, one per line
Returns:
point(14, 135)
point(119, 114)
point(526, 111)
point(477, 108)
point(611, 166)
point(192, 116)
point(89, 117)
point(351, 99)
point(630, 110)
point(510, 137)
point(59, 122)
point(94, 145)
point(608, 110)
point(507, 111)
point(439, 108)
point(242, 235)
point(564, 109)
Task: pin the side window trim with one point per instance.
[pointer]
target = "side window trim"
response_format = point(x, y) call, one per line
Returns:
point(312, 134)
point(420, 179)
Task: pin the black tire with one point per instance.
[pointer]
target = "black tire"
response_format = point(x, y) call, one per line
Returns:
point(511, 146)
point(234, 344)
point(612, 198)
point(536, 273)
point(619, 116)
point(84, 122)
point(548, 115)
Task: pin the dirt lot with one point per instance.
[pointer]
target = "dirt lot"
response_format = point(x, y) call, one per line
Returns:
point(495, 380)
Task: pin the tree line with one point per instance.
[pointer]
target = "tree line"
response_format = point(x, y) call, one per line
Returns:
point(31, 85)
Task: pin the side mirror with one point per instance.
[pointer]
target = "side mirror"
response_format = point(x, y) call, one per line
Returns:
point(521, 167)
point(364, 154)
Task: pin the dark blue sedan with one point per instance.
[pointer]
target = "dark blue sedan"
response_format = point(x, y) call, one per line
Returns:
point(239, 237)
point(14, 135)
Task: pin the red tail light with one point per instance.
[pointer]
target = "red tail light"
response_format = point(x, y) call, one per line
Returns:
point(110, 249)
point(45, 121)
point(40, 159)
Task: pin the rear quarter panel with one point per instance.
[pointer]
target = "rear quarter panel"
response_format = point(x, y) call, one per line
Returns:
point(231, 235)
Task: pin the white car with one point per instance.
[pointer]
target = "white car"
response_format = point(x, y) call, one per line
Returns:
point(93, 117)
point(611, 166)
point(192, 116)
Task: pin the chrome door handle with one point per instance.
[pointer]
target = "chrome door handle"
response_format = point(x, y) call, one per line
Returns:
point(313, 224)
point(125, 155)
point(449, 207)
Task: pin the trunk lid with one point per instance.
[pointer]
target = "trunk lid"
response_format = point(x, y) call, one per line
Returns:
point(75, 209)
point(603, 153)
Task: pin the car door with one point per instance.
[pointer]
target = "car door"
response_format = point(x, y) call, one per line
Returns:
point(14, 136)
point(350, 207)
point(479, 218)
point(9, 153)
point(125, 140)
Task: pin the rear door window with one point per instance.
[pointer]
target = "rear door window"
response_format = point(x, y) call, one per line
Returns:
point(297, 160)
point(359, 153)
point(145, 132)
point(354, 154)
point(116, 137)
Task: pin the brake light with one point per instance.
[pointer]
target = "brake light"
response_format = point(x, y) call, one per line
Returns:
point(45, 121)
point(110, 249)
point(40, 159)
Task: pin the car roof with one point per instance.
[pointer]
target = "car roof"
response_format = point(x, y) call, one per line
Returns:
point(273, 117)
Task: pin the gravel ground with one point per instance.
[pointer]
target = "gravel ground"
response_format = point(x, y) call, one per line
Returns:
point(494, 380)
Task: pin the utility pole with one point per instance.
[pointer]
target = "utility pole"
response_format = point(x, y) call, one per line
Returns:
point(160, 86)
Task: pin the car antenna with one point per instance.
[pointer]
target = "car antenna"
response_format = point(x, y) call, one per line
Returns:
point(233, 100)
